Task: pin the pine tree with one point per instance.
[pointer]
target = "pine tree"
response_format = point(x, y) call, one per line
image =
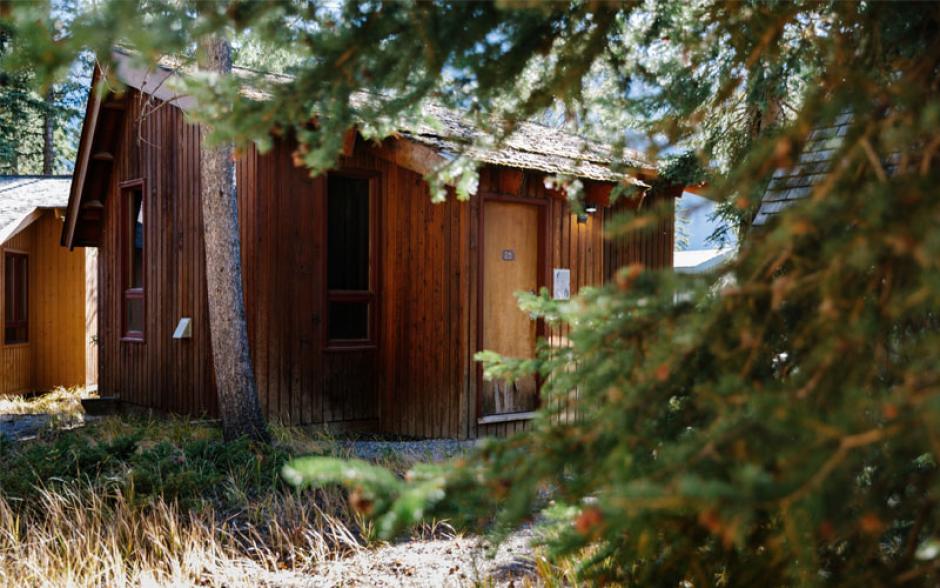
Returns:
point(774, 427)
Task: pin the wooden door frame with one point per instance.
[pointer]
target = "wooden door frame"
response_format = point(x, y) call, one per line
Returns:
point(543, 271)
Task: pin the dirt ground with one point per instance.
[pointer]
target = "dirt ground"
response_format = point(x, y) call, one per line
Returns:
point(457, 562)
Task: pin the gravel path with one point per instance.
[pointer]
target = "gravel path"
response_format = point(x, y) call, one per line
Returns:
point(448, 563)
point(20, 426)
point(427, 450)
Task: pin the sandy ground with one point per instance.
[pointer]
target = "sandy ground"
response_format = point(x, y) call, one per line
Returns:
point(461, 561)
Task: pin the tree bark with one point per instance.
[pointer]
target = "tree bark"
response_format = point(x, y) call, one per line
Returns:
point(48, 125)
point(234, 375)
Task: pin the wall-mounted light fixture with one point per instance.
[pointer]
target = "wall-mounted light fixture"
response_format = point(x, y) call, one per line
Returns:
point(589, 208)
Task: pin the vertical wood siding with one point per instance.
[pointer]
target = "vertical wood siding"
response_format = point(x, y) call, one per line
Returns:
point(651, 248)
point(414, 378)
point(56, 352)
point(171, 375)
point(16, 361)
point(57, 321)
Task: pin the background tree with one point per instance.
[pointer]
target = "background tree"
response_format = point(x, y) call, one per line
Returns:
point(38, 122)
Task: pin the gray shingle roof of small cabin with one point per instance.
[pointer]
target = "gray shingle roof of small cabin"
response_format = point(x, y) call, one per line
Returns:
point(814, 164)
point(21, 195)
point(530, 146)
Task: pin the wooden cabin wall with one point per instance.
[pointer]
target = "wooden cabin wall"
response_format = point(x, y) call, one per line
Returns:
point(57, 289)
point(16, 361)
point(425, 335)
point(160, 372)
point(281, 249)
point(652, 248)
point(415, 382)
point(56, 351)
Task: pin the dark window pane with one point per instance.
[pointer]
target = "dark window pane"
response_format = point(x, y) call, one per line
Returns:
point(16, 298)
point(22, 290)
point(13, 335)
point(347, 233)
point(8, 287)
point(135, 315)
point(349, 320)
point(135, 219)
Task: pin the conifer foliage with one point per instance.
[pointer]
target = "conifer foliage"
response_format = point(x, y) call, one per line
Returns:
point(778, 425)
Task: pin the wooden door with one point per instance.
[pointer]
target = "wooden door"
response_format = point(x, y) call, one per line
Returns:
point(510, 264)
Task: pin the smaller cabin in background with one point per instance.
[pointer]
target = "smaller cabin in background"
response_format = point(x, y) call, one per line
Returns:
point(48, 294)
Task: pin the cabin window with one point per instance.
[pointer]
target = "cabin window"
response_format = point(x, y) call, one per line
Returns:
point(15, 298)
point(350, 263)
point(133, 245)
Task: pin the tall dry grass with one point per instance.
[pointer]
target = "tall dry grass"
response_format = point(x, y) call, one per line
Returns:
point(66, 402)
point(93, 526)
point(80, 535)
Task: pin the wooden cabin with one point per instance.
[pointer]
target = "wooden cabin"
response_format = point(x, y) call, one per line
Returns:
point(366, 302)
point(48, 294)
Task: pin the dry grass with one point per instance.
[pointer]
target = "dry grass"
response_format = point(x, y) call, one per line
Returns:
point(167, 515)
point(65, 402)
point(180, 508)
point(76, 536)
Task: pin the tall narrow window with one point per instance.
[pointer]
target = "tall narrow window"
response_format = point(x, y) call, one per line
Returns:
point(350, 264)
point(15, 298)
point(133, 244)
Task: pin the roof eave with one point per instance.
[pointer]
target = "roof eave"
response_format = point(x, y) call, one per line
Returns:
point(92, 109)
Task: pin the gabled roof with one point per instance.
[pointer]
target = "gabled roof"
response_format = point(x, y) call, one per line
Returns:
point(419, 146)
point(814, 164)
point(21, 197)
point(530, 146)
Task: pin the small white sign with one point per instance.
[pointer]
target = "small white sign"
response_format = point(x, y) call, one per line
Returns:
point(184, 329)
point(561, 283)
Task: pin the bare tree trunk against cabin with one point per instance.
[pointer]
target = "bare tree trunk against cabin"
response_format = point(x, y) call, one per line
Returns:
point(48, 125)
point(231, 355)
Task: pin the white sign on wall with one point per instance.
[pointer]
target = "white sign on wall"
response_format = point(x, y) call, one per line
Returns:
point(561, 283)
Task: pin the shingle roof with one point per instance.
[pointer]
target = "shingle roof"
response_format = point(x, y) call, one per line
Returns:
point(530, 146)
point(21, 195)
point(814, 164)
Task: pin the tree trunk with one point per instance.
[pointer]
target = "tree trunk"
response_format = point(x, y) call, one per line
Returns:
point(48, 125)
point(231, 355)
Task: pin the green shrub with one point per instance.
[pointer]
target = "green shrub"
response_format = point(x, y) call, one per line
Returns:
point(190, 470)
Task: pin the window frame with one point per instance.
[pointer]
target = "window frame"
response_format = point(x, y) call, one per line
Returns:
point(127, 293)
point(9, 254)
point(371, 296)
